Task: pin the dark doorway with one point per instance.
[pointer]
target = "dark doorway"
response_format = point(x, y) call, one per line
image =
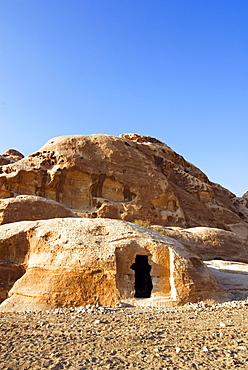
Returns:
point(143, 282)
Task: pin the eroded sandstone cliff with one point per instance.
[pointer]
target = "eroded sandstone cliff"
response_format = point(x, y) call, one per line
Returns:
point(131, 177)
point(47, 260)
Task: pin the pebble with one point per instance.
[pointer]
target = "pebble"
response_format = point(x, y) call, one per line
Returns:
point(222, 325)
point(242, 347)
point(134, 338)
point(196, 307)
point(141, 352)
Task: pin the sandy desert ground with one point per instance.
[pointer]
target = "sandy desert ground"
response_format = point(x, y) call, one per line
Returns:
point(196, 336)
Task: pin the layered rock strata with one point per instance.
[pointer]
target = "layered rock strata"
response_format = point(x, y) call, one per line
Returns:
point(131, 177)
point(30, 208)
point(209, 243)
point(74, 262)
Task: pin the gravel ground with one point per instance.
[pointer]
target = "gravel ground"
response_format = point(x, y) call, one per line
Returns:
point(196, 336)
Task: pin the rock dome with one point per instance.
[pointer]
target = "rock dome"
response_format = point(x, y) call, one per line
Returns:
point(74, 262)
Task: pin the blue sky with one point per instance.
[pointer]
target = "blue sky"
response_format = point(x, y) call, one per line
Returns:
point(174, 70)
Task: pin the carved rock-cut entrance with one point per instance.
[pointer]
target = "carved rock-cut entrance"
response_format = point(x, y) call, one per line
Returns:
point(143, 282)
point(73, 262)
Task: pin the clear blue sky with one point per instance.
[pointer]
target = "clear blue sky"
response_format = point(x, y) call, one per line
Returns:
point(175, 70)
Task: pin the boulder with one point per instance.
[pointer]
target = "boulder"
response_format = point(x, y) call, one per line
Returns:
point(10, 156)
point(131, 177)
point(209, 243)
point(30, 208)
point(75, 261)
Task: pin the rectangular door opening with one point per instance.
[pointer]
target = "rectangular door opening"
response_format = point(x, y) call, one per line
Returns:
point(143, 281)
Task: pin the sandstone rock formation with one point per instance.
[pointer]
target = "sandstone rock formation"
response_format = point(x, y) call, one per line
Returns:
point(245, 195)
point(131, 177)
point(75, 261)
point(10, 156)
point(241, 203)
point(209, 243)
point(30, 208)
point(233, 276)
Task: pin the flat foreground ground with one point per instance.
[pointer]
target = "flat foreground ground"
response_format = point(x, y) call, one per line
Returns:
point(190, 337)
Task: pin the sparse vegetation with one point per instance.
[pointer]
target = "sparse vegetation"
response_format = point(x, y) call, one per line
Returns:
point(143, 223)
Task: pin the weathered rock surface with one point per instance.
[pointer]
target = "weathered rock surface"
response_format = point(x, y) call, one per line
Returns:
point(132, 177)
point(30, 208)
point(74, 262)
point(241, 203)
point(209, 243)
point(10, 156)
point(233, 276)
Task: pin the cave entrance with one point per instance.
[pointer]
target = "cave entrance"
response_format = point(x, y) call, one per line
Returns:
point(143, 281)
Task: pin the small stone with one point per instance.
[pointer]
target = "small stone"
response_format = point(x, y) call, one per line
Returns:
point(205, 349)
point(141, 352)
point(178, 349)
point(242, 347)
point(222, 325)
point(58, 366)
